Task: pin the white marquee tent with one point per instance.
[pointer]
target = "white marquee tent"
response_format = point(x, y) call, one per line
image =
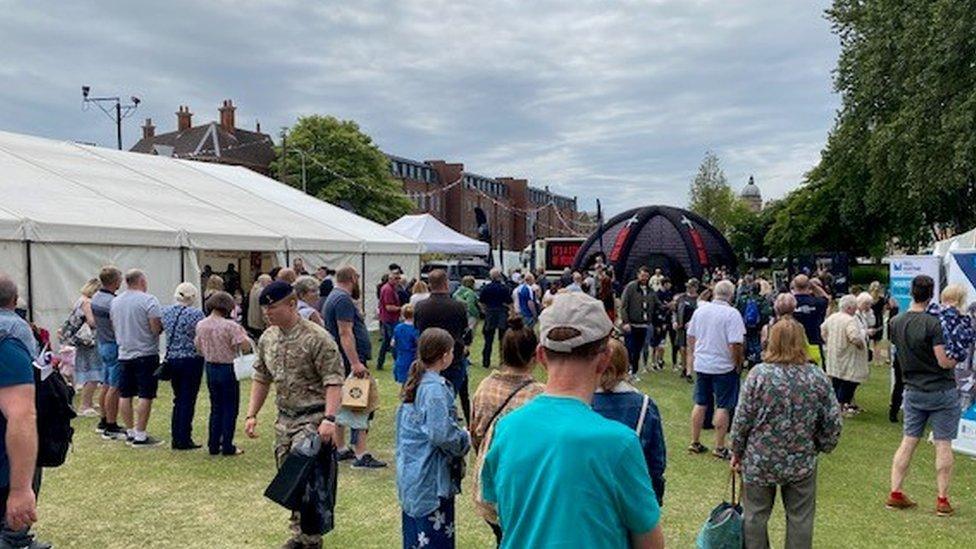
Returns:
point(436, 237)
point(68, 209)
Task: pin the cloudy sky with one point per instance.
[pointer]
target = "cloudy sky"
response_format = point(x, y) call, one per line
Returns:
point(595, 98)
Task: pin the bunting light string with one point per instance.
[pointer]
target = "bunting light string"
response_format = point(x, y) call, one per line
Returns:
point(577, 227)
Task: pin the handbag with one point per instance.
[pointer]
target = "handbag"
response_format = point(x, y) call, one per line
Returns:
point(723, 528)
point(244, 363)
point(355, 393)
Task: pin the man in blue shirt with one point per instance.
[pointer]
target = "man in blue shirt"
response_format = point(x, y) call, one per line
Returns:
point(560, 474)
point(495, 299)
point(528, 307)
point(18, 436)
point(345, 322)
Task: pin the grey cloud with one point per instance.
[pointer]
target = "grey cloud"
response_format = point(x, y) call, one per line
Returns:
point(617, 101)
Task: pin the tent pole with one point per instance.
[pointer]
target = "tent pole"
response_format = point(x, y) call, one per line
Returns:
point(182, 263)
point(362, 276)
point(287, 258)
point(30, 284)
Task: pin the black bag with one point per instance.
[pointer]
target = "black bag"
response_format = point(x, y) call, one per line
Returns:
point(54, 414)
point(288, 486)
point(165, 370)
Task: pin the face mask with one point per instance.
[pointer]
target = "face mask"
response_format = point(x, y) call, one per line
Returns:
point(355, 291)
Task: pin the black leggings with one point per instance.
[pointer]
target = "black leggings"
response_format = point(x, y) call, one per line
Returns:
point(844, 390)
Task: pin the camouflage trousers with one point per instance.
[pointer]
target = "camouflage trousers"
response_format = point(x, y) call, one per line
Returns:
point(286, 430)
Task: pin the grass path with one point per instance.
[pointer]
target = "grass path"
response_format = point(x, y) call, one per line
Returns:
point(108, 495)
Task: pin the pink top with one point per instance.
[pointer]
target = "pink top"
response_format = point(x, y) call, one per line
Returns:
point(388, 296)
point(218, 339)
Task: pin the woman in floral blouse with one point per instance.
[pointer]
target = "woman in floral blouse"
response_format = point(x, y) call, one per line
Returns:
point(787, 414)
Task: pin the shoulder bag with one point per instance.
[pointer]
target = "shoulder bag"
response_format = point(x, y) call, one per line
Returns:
point(165, 370)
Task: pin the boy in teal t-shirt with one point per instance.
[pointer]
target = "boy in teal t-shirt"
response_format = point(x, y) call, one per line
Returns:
point(560, 474)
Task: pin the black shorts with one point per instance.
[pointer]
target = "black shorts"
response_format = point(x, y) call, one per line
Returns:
point(139, 377)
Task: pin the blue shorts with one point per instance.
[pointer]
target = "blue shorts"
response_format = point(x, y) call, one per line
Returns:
point(939, 408)
point(110, 359)
point(723, 387)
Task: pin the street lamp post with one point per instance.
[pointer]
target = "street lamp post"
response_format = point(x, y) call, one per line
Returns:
point(120, 111)
point(304, 179)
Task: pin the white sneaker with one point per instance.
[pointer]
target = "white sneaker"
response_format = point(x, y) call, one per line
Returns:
point(89, 412)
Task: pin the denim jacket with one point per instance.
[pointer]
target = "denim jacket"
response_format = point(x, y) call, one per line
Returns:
point(428, 439)
point(623, 404)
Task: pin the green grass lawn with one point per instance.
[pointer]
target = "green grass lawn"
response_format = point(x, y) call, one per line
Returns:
point(109, 495)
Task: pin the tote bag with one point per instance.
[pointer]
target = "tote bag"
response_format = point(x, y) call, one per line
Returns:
point(723, 528)
point(244, 364)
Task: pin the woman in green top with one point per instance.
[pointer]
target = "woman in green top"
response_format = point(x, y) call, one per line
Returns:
point(466, 294)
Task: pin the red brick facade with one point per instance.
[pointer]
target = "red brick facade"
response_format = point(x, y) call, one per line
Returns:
point(514, 209)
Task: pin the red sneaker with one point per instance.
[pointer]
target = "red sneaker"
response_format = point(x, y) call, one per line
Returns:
point(943, 509)
point(899, 501)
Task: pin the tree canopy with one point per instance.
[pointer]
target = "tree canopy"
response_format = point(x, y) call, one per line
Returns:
point(710, 195)
point(343, 167)
point(899, 166)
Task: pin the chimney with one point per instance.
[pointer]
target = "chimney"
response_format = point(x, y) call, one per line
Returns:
point(148, 131)
point(183, 118)
point(227, 115)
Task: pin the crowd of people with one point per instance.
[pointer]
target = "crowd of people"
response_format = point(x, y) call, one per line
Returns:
point(577, 459)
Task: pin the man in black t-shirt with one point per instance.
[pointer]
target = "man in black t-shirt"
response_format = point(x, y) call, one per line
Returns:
point(930, 395)
point(440, 310)
point(495, 300)
point(811, 310)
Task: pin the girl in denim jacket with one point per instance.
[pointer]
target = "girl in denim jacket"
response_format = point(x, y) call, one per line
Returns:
point(429, 442)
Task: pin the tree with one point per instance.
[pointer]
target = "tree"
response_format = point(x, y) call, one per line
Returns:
point(710, 195)
point(343, 167)
point(900, 163)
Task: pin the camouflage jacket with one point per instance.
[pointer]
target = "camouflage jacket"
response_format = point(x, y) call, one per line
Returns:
point(302, 362)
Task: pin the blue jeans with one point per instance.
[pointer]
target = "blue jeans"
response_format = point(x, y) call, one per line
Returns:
point(225, 399)
point(186, 376)
point(635, 342)
point(387, 329)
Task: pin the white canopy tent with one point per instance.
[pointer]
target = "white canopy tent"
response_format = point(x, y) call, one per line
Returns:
point(436, 237)
point(68, 209)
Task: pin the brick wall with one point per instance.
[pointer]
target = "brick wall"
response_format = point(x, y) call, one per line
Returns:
point(506, 201)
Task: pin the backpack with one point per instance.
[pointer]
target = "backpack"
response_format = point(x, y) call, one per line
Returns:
point(53, 397)
point(752, 315)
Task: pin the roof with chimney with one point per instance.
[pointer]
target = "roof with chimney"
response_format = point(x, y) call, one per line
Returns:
point(221, 142)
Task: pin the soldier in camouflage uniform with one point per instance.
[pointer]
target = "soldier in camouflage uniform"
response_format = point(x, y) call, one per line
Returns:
point(303, 360)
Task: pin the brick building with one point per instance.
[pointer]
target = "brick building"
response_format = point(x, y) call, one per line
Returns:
point(221, 142)
point(514, 209)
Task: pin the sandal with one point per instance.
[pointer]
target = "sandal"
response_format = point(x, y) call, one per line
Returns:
point(697, 448)
point(722, 453)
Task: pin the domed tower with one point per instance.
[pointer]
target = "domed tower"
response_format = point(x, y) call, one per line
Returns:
point(752, 196)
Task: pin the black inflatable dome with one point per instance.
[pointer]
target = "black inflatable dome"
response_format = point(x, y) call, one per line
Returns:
point(681, 243)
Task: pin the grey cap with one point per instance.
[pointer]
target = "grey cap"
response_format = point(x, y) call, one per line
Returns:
point(578, 311)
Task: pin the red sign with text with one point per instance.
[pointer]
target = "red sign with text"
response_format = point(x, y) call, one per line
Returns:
point(560, 255)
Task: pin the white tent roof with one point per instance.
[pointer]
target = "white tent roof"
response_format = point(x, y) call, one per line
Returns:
point(64, 192)
point(964, 241)
point(436, 237)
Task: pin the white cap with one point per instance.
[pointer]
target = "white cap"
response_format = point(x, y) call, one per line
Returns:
point(578, 311)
